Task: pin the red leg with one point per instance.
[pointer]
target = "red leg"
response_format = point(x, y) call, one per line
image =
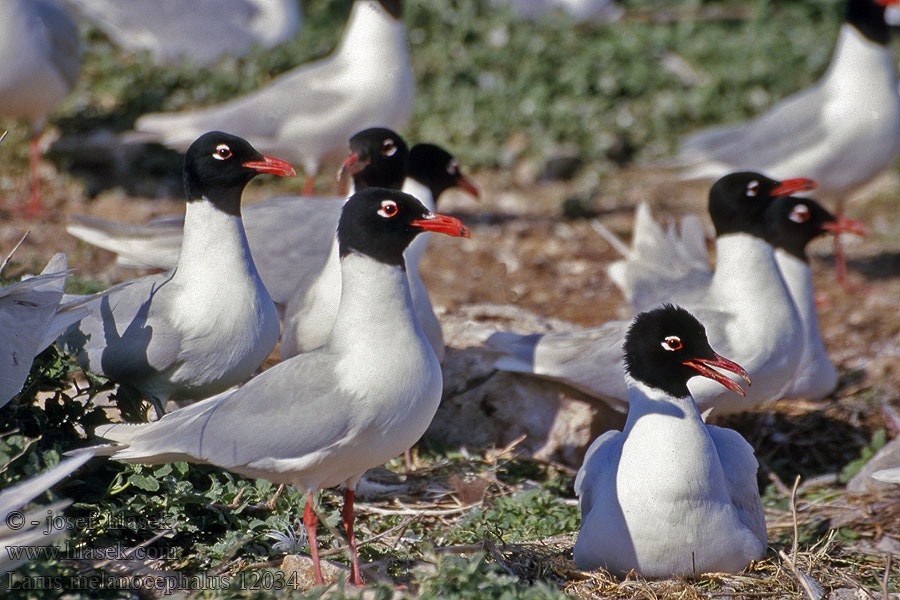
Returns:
point(347, 513)
point(309, 186)
point(33, 208)
point(840, 261)
point(310, 521)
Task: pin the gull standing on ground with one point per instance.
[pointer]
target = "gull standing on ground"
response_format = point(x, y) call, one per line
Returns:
point(209, 323)
point(841, 132)
point(40, 57)
point(307, 113)
point(198, 31)
point(323, 418)
point(669, 496)
point(746, 306)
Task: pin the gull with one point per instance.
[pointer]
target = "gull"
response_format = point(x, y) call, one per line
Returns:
point(195, 30)
point(207, 324)
point(745, 306)
point(323, 418)
point(40, 57)
point(669, 496)
point(307, 113)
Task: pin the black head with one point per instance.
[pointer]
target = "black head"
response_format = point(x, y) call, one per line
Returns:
point(737, 201)
point(792, 223)
point(393, 7)
point(435, 168)
point(218, 166)
point(378, 158)
point(867, 16)
point(667, 346)
point(381, 223)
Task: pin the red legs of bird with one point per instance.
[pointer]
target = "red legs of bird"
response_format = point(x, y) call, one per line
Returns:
point(310, 521)
point(347, 513)
point(33, 208)
point(840, 262)
point(309, 185)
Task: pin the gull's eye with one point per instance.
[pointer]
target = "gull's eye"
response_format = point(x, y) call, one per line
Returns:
point(800, 214)
point(753, 188)
point(453, 167)
point(388, 148)
point(388, 209)
point(672, 343)
point(223, 152)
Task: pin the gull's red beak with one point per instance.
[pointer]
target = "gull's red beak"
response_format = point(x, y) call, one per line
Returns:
point(276, 166)
point(704, 366)
point(353, 165)
point(842, 225)
point(442, 224)
point(789, 186)
point(465, 184)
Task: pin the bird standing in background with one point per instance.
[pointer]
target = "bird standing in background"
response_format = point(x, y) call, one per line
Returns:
point(841, 132)
point(40, 58)
point(198, 31)
point(307, 114)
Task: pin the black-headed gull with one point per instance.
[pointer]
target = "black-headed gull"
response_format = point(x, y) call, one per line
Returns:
point(840, 132)
point(307, 114)
point(311, 312)
point(40, 58)
point(207, 324)
point(289, 236)
point(198, 31)
point(746, 307)
point(669, 496)
point(675, 262)
point(322, 418)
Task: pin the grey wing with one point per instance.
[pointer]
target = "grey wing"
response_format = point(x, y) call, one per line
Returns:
point(126, 335)
point(590, 360)
point(27, 309)
point(65, 45)
point(13, 499)
point(276, 415)
point(762, 143)
point(740, 465)
point(601, 459)
point(290, 238)
point(156, 243)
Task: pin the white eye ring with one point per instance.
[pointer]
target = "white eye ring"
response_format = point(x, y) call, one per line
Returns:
point(388, 148)
point(672, 343)
point(453, 167)
point(222, 152)
point(388, 209)
point(800, 214)
point(753, 188)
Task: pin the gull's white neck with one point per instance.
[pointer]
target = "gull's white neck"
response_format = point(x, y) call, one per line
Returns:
point(214, 250)
point(413, 255)
point(375, 308)
point(648, 403)
point(746, 275)
point(860, 66)
point(370, 27)
point(798, 278)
